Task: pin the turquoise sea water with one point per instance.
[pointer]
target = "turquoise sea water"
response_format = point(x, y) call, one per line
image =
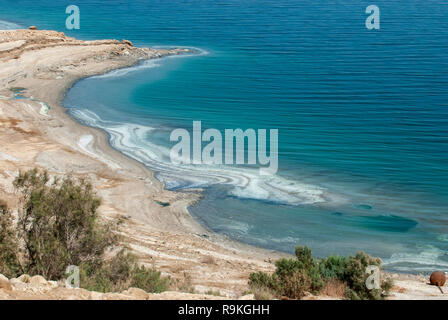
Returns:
point(362, 115)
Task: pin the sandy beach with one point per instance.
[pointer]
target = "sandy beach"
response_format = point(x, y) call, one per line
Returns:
point(36, 70)
point(46, 64)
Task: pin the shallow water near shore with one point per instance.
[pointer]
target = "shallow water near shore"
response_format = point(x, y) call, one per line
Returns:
point(362, 117)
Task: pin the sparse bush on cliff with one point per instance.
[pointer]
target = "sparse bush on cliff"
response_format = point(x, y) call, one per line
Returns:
point(58, 225)
point(110, 275)
point(333, 267)
point(356, 276)
point(149, 280)
point(9, 247)
point(293, 278)
point(122, 272)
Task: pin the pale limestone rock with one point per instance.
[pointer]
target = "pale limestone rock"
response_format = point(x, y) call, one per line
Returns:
point(18, 285)
point(115, 296)
point(38, 281)
point(136, 293)
point(4, 284)
point(24, 278)
point(35, 290)
point(81, 293)
point(14, 281)
point(95, 296)
point(247, 297)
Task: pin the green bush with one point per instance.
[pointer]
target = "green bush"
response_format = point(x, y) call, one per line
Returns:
point(305, 257)
point(58, 222)
point(263, 280)
point(121, 272)
point(149, 280)
point(294, 277)
point(262, 293)
point(110, 275)
point(9, 247)
point(333, 267)
point(356, 277)
point(296, 285)
point(58, 225)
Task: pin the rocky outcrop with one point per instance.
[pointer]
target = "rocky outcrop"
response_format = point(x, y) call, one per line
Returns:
point(127, 42)
point(34, 39)
point(37, 288)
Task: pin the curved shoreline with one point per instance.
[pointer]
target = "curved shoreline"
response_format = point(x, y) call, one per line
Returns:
point(193, 194)
point(105, 137)
point(47, 64)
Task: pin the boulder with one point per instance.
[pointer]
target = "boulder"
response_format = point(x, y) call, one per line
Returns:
point(95, 296)
point(127, 42)
point(115, 296)
point(38, 281)
point(24, 278)
point(4, 284)
point(33, 28)
point(136, 293)
point(437, 278)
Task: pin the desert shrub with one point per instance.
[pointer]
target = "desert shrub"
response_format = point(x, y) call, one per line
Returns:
point(334, 288)
point(211, 292)
point(184, 284)
point(263, 293)
point(121, 272)
point(208, 260)
point(262, 280)
point(149, 280)
point(356, 277)
point(333, 267)
point(9, 247)
point(110, 275)
point(58, 223)
point(352, 271)
point(296, 285)
point(294, 277)
point(305, 257)
point(286, 267)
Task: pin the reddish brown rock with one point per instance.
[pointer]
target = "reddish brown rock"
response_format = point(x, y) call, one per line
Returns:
point(33, 28)
point(437, 278)
point(127, 42)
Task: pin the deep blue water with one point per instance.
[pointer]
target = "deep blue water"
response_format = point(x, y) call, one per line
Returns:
point(362, 115)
